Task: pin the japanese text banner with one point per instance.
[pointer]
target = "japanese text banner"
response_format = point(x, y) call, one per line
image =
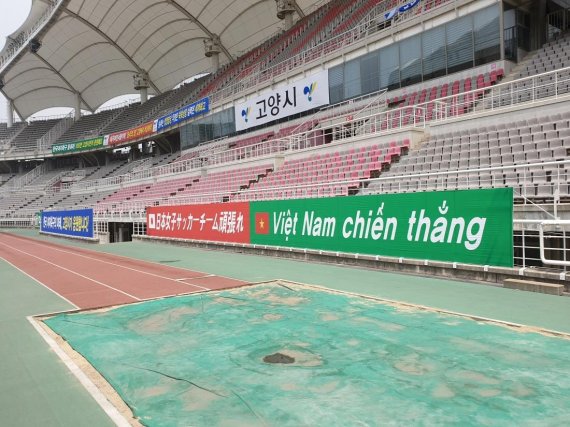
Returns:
point(131, 134)
point(221, 222)
point(303, 95)
point(76, 223)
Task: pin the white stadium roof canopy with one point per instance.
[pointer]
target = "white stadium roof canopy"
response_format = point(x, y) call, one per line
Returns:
point(94, 47)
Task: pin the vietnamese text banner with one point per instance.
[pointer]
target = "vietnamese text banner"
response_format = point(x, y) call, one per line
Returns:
point(190, 111)
point(303, 95)
point(74, 147)
point(77, 223)
point(471, 226)
point(220, 222)
point(131, 134)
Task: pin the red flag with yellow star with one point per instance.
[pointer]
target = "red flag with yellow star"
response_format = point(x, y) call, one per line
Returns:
point(261, 223)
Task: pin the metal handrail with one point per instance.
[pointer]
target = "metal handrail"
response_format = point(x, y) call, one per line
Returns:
point(547, 261)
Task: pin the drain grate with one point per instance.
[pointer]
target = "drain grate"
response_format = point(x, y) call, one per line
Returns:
point(167, 261)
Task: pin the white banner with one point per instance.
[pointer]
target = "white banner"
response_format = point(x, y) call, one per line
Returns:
point(286, 100)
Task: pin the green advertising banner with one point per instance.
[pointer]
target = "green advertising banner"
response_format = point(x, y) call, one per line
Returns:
point(469, 226)
point(74, 147)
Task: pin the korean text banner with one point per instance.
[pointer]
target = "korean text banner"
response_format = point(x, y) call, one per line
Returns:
point(131, 134)
point(472, 226)
point(77, 223)
point(220, 222)
point(197, 108)
point(74, 147)
point(303, 95)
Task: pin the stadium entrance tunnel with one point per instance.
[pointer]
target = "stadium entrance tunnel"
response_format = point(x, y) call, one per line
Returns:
point(120, 232)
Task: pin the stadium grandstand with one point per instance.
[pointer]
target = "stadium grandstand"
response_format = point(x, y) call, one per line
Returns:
point(321, 130)
point(477, 101)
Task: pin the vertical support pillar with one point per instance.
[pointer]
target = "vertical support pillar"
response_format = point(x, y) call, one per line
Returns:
point(288, 20)
point(502, 30)
point(538, 25)
point(141, 83)
point(144, 94)
point(212, 49)
point(77, 115)
point(285, 10)
point(215, 62)
point(10, 113)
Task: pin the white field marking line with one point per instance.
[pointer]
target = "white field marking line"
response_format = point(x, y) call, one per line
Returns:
point(194, 278)
point(125, 267)
point(199, 291)
point(74, 272)
point(474, 317)
point(91, 388)
point(40, 283)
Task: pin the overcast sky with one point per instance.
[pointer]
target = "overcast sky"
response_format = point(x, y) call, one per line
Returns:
point(14, 13)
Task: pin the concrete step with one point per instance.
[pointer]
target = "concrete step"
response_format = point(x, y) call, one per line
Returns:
point(532, 286)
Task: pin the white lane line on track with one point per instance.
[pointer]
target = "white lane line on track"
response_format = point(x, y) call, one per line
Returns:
point(194, 278)
point(123, 266)
point(39, 242)
point(73, 272)
point(91, 388)
point(39, 282)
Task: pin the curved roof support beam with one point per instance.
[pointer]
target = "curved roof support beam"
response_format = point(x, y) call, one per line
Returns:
point(243, 12)
point(112, 43)
point(153, 34)
point(63, 79)
point(72, 57)
point(29, 70)
point(170, 50)
point(43, 88)
point(193, 19)
point(10, 100)
point(103, 77)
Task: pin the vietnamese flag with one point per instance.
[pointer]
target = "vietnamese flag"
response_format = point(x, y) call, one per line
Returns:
point(261, 223)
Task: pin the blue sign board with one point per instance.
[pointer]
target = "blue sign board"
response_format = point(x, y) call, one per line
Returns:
point(404, 8)
point(77, 223)
point(186, 113)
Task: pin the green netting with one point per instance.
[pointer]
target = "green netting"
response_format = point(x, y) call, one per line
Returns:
point(199, 361)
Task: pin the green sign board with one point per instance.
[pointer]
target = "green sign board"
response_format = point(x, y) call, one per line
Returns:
point(74, 147)
point(471, 226)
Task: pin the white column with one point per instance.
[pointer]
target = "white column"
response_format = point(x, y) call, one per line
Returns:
point(288, 19)
point(144, 94)
point(215, 61)
point(9, 113)
point(77, 107)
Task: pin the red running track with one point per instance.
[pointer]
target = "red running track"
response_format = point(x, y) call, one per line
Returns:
point(90, 279)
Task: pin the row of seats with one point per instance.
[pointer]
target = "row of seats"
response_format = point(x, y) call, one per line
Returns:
point(552, 56)
point(214, 187)
point(308, 177)
point(458, 94)
point(494, 147)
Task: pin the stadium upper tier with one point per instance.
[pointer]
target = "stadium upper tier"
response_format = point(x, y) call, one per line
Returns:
point(96, 57)
point(384, 103)
point(92, 49)
point(323, 32)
